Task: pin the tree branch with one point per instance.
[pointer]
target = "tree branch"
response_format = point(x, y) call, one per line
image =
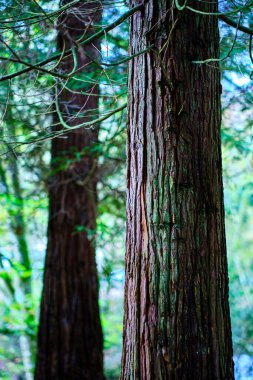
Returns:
point(83, 43)
point(233, 23)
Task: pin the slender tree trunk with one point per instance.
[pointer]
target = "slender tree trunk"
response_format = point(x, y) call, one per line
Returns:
point(18, 227)
point(177, 323)
point(18, 224)
point(70, 342)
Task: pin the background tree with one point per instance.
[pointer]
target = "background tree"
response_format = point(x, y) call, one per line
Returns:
point(109, 150)
point(70, 340)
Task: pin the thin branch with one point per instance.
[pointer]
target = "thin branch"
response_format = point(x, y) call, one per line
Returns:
point(83, 43)
point(48, 15)
point(233, 23)
point(62, 132)
point(214, 13)
point(221, 16)
point(228, 53)
point(30, 66)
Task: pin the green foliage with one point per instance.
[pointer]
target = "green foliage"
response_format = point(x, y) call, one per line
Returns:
point(238, 167)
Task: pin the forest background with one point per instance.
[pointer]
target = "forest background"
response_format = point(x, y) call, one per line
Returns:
point(26, 103)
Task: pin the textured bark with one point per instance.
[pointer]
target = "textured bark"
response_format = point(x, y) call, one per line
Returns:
point(70, 342)
point(177, 322)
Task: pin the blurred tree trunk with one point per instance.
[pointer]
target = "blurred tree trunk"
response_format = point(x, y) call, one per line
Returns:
point(17, 220)
point(18, 227)
point(70, 344)
point(177, 322)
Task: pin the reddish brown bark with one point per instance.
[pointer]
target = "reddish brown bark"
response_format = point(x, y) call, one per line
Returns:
point(177, 323)
point(70, 342)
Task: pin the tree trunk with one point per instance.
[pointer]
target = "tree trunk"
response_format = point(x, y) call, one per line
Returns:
point(177, 322)
point(16, 215)
point(70, 344)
